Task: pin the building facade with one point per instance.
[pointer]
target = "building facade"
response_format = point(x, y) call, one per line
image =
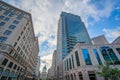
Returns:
point(71, 30)
point(18, 44)
point(82, 63)
point(78, 56)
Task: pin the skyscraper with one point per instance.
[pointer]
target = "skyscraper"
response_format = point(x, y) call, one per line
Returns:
point(18, 44)
point(71, 30)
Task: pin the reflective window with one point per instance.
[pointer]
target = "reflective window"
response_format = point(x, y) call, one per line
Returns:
point(8, 11)
point(4, 61)
point(72, 60)
point(97, 56)
point(20, 16)
point(7, 32)
point(1, 17)
point(70, 63)
point(2, 39)
point(15, 66)
point(1, 69)
point(2, 23)
point(77, 58)
point(7, 19)
point(12, 27)
point(118, 49)
point(15, 22)
point(109, 55)
point(10, 64)
point(86, 57)
point(67, 65)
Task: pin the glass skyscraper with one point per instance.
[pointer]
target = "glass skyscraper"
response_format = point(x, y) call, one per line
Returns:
point(71, 30)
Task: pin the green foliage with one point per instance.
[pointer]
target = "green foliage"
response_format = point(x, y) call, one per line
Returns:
point(107, 72)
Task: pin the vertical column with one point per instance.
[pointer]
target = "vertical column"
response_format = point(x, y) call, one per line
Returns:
point(116, 53)
point(77, 76)
point(99, 77)
point(85, 75)
point(101, 57)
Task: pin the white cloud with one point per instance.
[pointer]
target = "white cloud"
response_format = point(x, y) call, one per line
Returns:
point(112, 34)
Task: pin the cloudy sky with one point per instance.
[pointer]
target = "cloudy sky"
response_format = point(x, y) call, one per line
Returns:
point(99, 16)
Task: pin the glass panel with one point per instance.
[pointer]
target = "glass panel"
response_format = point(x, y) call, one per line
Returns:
point(118, 49)
point(72, 61)
point(4, 61)
point(113, 56)
point(77, 58)
point(86, 57)
point(97, 56)
point(109, 55)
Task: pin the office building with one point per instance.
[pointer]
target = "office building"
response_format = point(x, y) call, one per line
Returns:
point(18, 44)
point(78, 56)
point(82, 63)
point(71, 30)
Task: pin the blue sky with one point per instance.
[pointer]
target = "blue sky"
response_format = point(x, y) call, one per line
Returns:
point(100, 17)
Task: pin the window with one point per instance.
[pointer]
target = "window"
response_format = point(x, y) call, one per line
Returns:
point(18, 68)
point(80, 76)
point(12, 27)
point(4, 61)
point(97, 56)
point(15, 44)
point(15, 66)
point(15, 22)
point(109, 55)
point(21, 33)
point(67, 65)
point(92, 75)
point(18, 38)
point(118, 49)
point(1, 69)
point(20, 16)
point(70, 63)
point(2, 39)
point(77, 58)
point(2, 23)
point(86, 57)
point(7, 32)
point(72, 60)
point(10, 64)
point(6, 19)
point(1, 17)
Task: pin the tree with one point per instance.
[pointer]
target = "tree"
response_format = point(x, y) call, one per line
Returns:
point(108, 72)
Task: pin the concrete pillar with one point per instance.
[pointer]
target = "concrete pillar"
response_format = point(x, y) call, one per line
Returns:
point(99, 77)
point(77, 76)
point(85, 75)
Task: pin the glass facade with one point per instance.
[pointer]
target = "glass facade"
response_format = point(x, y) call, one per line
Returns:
point(97, 56)
point(86, 57)
point(71, 30)
point(109, 55)
point(77, 58)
